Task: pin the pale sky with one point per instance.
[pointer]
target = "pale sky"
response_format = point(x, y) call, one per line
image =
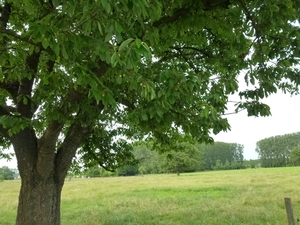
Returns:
point(246, 130)
point(249, 130)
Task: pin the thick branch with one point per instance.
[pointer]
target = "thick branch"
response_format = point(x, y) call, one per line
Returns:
point(25, 146)
point(46, 149)
point(11, 88)
point(5, 13)
point(184, 11)
point(6, 110)
point(250, 18)
point(170, 19)
point(67, 151)
point(25, 87)
point(47, 143)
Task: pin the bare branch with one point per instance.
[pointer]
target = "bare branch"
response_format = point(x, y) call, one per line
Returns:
point(231, 113)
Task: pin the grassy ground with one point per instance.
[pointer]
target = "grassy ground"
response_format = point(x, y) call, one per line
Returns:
point(253, 196)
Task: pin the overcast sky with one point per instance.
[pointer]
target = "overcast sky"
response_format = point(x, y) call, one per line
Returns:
point(248, 130)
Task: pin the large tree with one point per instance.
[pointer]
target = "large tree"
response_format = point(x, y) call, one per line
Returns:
point(76, 74)
point(181, 157)
point(221, 152)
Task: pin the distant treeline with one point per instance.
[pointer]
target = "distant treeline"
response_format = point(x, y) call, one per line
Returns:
point(181, 157)
point(280, 150)
point(277, 151)
point(7, 173)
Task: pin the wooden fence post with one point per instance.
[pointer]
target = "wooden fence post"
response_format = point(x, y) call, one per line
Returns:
point(289, 211)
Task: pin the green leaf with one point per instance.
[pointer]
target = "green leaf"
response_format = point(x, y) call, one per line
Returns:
point(71, 8)
point(56, 49)
point(159, 113)
point(144, 116)
point(64, 53)
point(109, 99)
point(87, 26)
point(252, 81)
point(119, 79)
point(138, 42)
point(31, 49)
point(125, 43)
point(106, 5)
point(45, 43)
point(2, 60)
point(114, 59)
point(100, 28)
point(118, 26)
point(25, 101)
point(37, 49)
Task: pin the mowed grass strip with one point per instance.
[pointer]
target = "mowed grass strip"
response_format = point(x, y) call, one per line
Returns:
point(252, 196)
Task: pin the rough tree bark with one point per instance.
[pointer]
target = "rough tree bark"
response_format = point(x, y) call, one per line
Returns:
point(39, 201)
point(42, 164)
point(42, 178)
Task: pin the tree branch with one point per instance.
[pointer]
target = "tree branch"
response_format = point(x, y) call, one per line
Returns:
point(11, 88)
point(5, 13)
point(6, 110)
point(211, 4)
point(170, 19)
point(25, 87)
point(19, 37)
point(67, 151)
point(25, 146)
point(185, 10)
point(46, 148)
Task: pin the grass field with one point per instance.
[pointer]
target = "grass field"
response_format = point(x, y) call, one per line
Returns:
point(252, 196)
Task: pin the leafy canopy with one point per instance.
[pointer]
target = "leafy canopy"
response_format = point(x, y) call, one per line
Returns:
point(130, 68)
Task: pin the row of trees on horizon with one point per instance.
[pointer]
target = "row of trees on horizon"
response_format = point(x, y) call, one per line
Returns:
point(276, 151)
point(182, 157)
point(279, 150)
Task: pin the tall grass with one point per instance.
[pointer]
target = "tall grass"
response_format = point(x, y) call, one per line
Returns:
point(253, 196)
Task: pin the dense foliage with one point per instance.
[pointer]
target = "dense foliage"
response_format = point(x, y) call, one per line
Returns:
point(6, 173)
point(77, 74)
point(221, 156)
point(187, 157)
point(276, 151)
point(295, 156)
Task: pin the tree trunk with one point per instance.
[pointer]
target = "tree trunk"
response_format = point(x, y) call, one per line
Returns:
point(39, 202)
point(43, 170)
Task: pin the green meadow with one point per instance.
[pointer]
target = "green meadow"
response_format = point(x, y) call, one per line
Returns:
point(252, 196)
